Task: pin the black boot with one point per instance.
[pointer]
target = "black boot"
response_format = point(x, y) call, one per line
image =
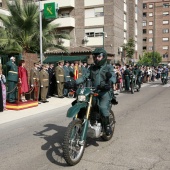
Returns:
point(107, 126)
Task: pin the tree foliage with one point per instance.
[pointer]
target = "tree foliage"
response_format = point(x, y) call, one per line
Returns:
point(150, 58)
point(21, 32)
point(129, 48)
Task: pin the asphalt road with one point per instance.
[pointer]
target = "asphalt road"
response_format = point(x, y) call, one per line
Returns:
point(140, 142)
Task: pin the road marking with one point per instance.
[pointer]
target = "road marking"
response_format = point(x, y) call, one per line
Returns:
point(166, 85)
point(155, 85)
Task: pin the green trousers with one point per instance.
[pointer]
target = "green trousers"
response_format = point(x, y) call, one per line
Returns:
point(11, 97)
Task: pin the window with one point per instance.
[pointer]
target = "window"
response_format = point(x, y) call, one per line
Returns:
point(165, 55)
point(165, 13)
point(150, 48)
point(150, 14)
point(144, 31)
point(144, 39)
point(150, 39)
point(94, 12)
point(125, 17)
point(144, 14)
point(0, 4)
point(165, 39)
point(95, 32)
point(150, 31)
point(165, 47)
point(165, 5)
point(150, 23)
point(144, 48)
point(166, 30)
point(125, 35)
point(150, 5)
point(144, 6)
point(144, 23)
point(165, 22)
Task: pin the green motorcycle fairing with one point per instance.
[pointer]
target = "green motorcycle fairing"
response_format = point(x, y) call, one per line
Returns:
point(72, 111)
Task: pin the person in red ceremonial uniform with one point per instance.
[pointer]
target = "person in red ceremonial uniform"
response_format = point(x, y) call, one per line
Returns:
point(23, 79)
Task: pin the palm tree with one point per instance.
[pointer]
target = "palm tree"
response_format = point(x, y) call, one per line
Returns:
point(21, 32)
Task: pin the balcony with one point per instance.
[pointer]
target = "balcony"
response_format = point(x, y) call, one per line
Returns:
point(4, 12)
point(64, 22)
point(61, 3)
point(93, 2)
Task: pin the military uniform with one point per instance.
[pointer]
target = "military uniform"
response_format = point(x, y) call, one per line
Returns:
point(44, 82)
point(127, 79)
point(59, 73)
point(80, 72)
point(12, 80)
point(35, 82)
point(66, 78)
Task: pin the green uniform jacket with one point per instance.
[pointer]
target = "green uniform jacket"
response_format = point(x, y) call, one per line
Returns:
point(44, 78)
point(34, 76)
point(12, 71)
point(59, 73)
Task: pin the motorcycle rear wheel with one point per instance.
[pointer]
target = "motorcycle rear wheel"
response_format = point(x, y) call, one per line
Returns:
point(112, 125)
point(72, 149)
point(132, 88)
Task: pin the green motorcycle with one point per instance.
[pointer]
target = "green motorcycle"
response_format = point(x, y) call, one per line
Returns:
point(164, 78)
point(87, 122)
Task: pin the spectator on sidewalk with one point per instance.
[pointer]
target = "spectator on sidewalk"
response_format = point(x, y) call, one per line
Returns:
point(2, 92)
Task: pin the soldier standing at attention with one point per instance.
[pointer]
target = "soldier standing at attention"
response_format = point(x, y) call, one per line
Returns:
point(127, 78)
point(44, 82)
point(66, 76)
point(71, 68)
point(59, 73)
point(35, 81)
point(12, 79)
point(80, 72)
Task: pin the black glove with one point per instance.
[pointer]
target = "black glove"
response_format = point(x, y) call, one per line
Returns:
point(105, 87)
point(114, 101)
point(70, 84)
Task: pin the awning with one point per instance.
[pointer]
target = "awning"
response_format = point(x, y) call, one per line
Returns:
point(54, 59)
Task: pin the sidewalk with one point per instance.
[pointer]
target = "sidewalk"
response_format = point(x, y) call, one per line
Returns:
point(54, 103)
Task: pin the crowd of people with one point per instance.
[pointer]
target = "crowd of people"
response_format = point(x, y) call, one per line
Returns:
point(47, 80)
point(147, 74)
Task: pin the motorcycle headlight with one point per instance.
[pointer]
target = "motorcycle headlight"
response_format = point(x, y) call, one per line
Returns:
point(81, 98)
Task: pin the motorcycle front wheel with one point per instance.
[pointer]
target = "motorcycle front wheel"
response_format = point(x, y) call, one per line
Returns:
point(112, 125)
point(73, 148)
point(132, 88)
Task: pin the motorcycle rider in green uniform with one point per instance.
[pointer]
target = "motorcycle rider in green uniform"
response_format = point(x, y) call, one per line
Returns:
point(127, 78)
point(97, 73)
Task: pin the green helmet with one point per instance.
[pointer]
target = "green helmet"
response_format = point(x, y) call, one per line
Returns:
point(101, 52)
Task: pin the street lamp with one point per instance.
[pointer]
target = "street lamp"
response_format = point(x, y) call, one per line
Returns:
point(104, 36)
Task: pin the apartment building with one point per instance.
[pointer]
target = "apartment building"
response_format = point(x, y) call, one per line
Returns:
point(99, 23)
point(156, 35)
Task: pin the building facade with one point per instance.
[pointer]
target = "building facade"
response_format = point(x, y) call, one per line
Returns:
point(156, 35)
point(101, 23)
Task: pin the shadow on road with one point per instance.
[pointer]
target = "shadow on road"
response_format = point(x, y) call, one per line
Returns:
point(53, 145)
